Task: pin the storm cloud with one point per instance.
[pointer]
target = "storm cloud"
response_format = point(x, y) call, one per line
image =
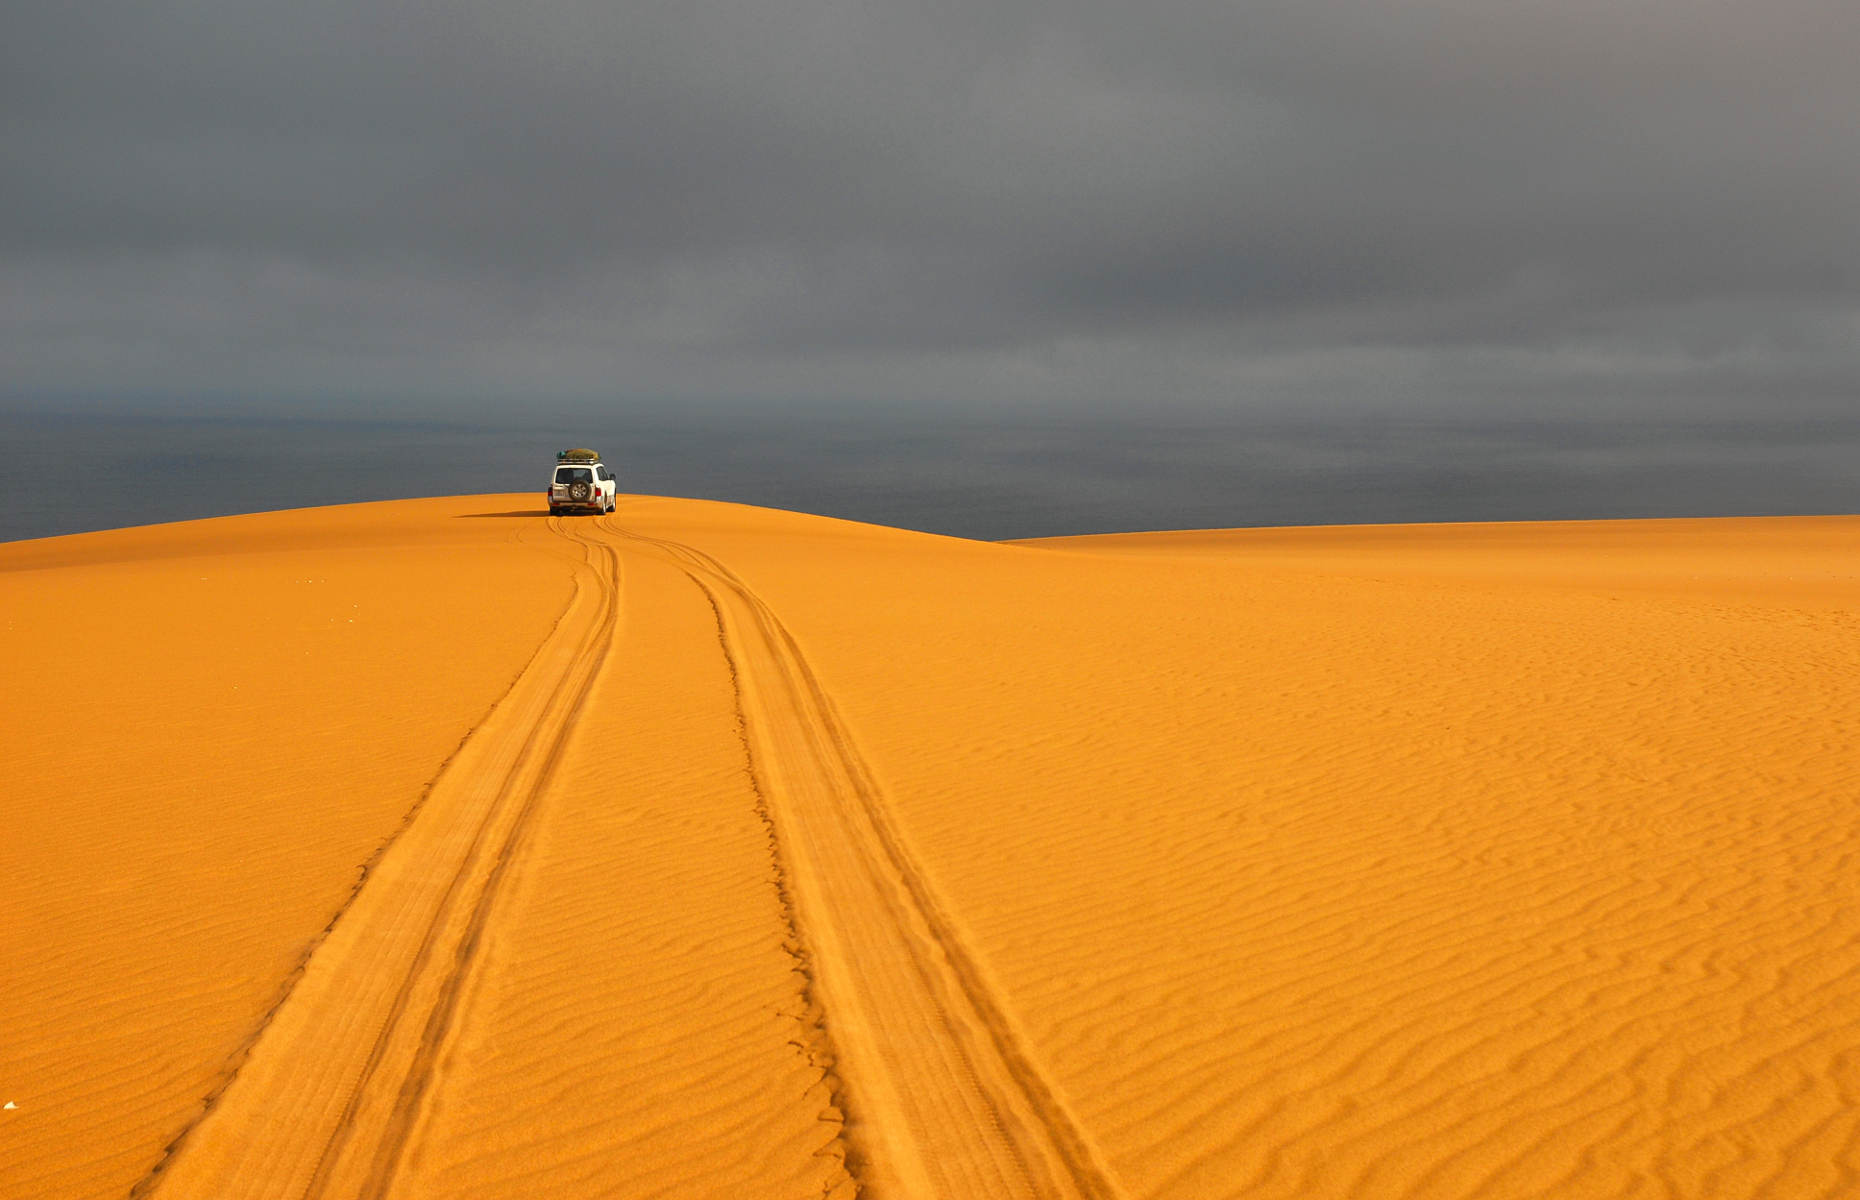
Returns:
point(1201, 203)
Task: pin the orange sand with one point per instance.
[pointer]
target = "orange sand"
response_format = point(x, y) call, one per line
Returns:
point(717, 851)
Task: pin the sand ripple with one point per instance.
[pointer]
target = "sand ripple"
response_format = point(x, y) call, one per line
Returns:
point(811, 858)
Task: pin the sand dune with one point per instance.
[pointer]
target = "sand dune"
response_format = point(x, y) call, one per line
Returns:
point(713, 850)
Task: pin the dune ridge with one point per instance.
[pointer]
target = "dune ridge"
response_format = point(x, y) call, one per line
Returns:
point(1412, 861)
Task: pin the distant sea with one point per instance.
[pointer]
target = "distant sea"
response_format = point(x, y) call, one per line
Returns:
point(970, 476)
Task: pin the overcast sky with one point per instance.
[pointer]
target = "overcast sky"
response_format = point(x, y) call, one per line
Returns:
point(1193, 203)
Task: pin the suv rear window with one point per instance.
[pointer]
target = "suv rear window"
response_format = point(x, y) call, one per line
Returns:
point(574, 475)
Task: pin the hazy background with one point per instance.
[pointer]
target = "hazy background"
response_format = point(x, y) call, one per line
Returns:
point(982, 476)
point(1009, 267)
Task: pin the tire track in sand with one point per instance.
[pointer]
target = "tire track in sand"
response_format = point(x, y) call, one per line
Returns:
point(323, 1103)
point(945, 1099)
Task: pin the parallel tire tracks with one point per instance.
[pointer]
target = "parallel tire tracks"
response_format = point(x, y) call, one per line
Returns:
point(326, 1099)
point(945, 1100)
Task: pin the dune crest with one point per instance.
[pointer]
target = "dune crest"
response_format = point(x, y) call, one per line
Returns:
point(782, 856)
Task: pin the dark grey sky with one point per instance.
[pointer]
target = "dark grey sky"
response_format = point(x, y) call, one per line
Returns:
point(1194, 203)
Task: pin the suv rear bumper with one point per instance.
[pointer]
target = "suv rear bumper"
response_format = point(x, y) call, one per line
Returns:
point(595, 503)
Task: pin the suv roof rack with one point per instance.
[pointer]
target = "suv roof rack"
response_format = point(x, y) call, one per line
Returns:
point(582, 455)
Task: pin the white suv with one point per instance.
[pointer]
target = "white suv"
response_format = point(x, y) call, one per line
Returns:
point(582, 483)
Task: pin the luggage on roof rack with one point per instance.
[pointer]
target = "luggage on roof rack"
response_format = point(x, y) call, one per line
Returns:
point(579, 455)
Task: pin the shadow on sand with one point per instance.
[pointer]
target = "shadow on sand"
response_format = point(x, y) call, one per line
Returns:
point(518, 512)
